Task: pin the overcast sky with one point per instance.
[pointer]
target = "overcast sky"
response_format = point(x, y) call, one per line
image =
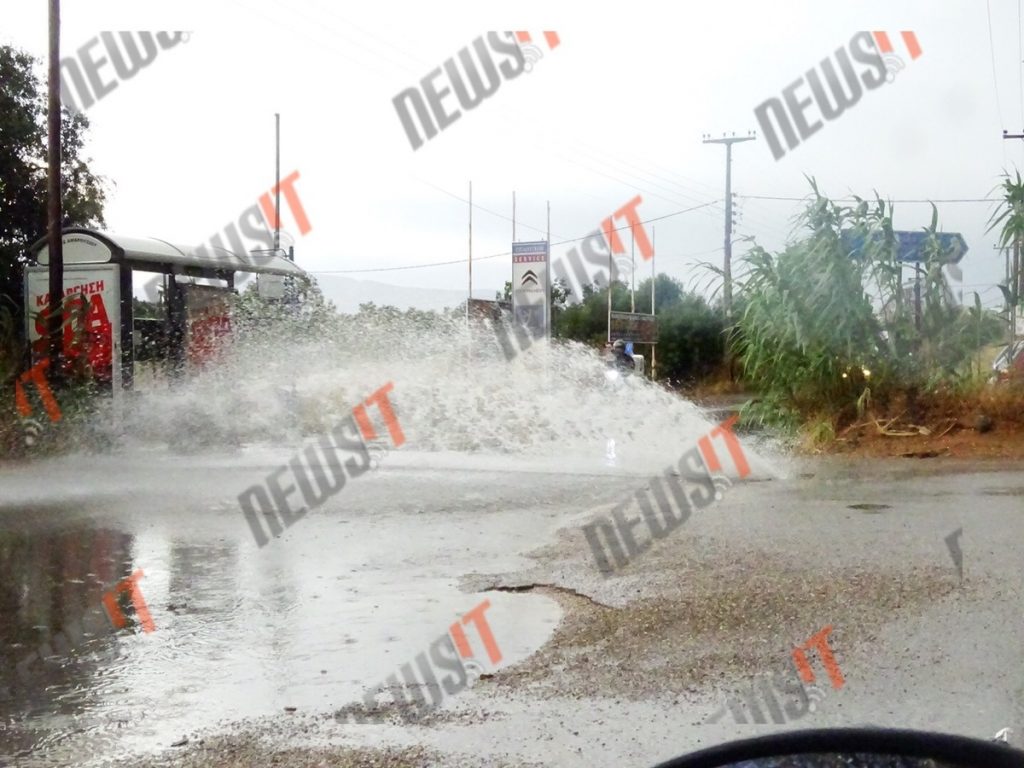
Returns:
point(617, 109)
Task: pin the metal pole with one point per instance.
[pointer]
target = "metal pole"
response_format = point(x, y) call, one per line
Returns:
point(632, 269)
point(1009, 314)
point(513, 215)
point(470, 297)
point(654, 347)
point(547, 276)
point(917, 297)
point(610, 273)
point(53, 200)
point(277, 182)
point(1015, 292)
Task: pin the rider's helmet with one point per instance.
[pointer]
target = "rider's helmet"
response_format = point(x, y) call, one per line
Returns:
point(619, 345)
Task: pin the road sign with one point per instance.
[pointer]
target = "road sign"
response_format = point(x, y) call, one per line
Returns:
point(635, 327)
point(530, 296)
point(911, 245)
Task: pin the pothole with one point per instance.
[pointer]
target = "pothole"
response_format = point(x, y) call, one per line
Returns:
point(871, 508)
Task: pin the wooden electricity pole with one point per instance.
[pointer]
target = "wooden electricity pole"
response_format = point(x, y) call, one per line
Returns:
point(53, 212)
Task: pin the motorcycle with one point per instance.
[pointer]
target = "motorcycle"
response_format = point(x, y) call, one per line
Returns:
point(616, 380)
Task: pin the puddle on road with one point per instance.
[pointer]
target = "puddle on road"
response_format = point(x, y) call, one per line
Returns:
point(239, 632)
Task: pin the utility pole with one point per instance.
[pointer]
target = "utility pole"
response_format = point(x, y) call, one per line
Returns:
point(54, 229)
point(727, 267)
point(1015, 272)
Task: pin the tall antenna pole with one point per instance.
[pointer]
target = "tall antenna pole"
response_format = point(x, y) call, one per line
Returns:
point(513, 215)
point(53, 201)
point(727, 266)
point(277, 182)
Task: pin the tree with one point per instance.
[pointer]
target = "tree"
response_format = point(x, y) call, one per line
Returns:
point(23, 170)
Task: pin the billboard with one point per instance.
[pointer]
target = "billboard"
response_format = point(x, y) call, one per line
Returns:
point(634, 327)
point(92, 316)
point(207, 321)
point(531, 295)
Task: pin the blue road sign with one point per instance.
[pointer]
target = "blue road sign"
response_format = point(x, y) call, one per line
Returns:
point(911, 245)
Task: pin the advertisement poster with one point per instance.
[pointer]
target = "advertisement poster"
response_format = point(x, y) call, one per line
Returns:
point(208, 320)
point(91, 316)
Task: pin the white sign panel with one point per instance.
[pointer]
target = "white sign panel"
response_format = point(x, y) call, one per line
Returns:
point(530, 294)
point(79, 248)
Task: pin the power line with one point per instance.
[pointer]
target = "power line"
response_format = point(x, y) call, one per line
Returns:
point(992, 52)
point(494, 255)
point(480, 207)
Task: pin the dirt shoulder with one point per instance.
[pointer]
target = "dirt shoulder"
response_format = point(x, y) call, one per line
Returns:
point(1004, 440)
point(987, 425)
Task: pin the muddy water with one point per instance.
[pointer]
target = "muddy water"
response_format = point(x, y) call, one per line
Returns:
point(493, 466)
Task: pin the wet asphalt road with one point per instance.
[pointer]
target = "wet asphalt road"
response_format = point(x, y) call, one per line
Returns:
point(368, 581)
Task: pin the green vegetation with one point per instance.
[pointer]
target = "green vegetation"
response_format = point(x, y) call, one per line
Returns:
point(691, 333)
point(827, 331)
point(23, 170)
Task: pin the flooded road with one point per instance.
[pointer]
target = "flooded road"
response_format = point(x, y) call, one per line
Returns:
point(359, 587)
point(459, 573)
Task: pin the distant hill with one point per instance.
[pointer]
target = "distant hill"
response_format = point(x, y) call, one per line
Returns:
point(348, 293)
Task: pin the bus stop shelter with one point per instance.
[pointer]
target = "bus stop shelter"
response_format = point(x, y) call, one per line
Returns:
point(101, 273)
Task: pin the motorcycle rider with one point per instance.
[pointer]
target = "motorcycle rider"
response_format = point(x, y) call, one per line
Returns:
point(622, 361)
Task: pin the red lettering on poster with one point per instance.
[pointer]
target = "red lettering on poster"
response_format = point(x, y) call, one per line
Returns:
point(86, 330)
